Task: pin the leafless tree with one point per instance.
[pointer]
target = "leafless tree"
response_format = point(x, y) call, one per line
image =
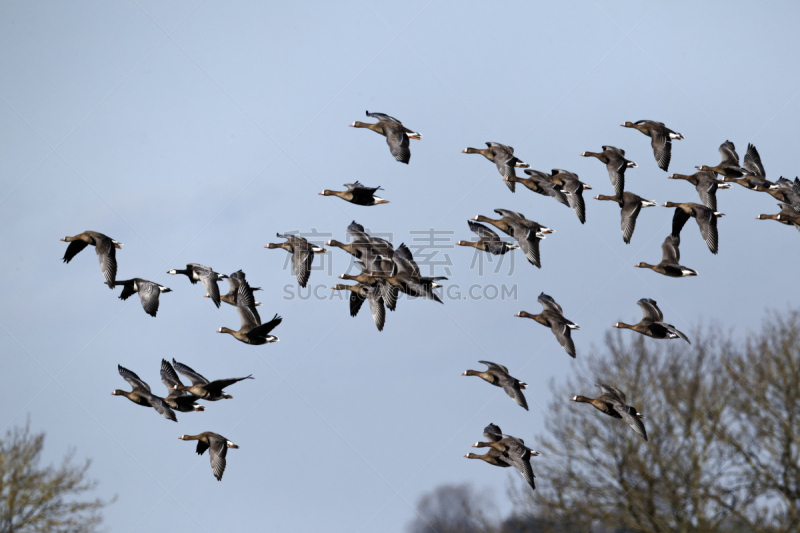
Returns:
point(452, 509)
point(36, 499)
point(601, 476)
point(763, 430)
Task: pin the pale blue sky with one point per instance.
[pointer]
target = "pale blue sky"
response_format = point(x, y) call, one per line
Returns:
point(194, 131)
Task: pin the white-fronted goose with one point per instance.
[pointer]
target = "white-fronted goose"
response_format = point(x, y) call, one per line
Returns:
point(377, 265)
point(660, 139)
point(616, 164)
point(205, 275)
point(363, 245)
point(729, 166)
point(361, 292)
point(540, 182)
point(493, 457)
point(502, 156)
point(210, 391)
point(489, 241)
point(148, 291)
point(302, 255)
point(612, 403)
point(218, 449)
point(141, 395)
point(104, 246)
point(407, 277)
point(786, 191)
point(552, 316)
point(787, 216)
point(251, 331)
point(706, 184)
point(396, 134)
point(755, 178)
point(526, 232)
point(573, 187)
point(652, 323)
point(630, 206)
point(706, 220)
point(357, 194)
point(670, 260)
point(498, 376)
point(513, 451)
point(235, 280)
point(179, 400)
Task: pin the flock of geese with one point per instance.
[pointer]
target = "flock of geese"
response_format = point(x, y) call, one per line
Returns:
point(387, 271)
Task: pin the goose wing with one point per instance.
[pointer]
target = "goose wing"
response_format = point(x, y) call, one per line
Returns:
point(707, 189)
point(506, 166)
point(482, 231)
point(520, 457)
point(376, 307)
point(302, 258)
point(209, 280)
point(678, 221)
point(218, 451)
point(549, 303)
point(383, 117)
point(529, 244)
point(265, 329)
point(216, 387)
point(356, 301)
point(193, 376)
point(574, 195)
point(397, 140)
point(162, 407)
point(628, 414)
point(616, 173)
point(170, 378)
point(133, 380)
point(388, 294)
point(612, 391)
point(564, 335)
point(492, 433)
point(407, 263)
point(752, 162)
point(707, 222)
point(494, 366)
point(107, 255)
point(650, 310)
point(628, 214)
point(148, 294)
point(74, 249)
point(662, 148)
point(670, 251)
point(246, 306)
point(511, 386)
point(728, 152)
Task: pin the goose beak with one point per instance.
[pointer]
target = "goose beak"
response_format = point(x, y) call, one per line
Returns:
point(517, 315)
point(219, 330)
point(353, 125)
point(464, 151)
point(464, 373)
